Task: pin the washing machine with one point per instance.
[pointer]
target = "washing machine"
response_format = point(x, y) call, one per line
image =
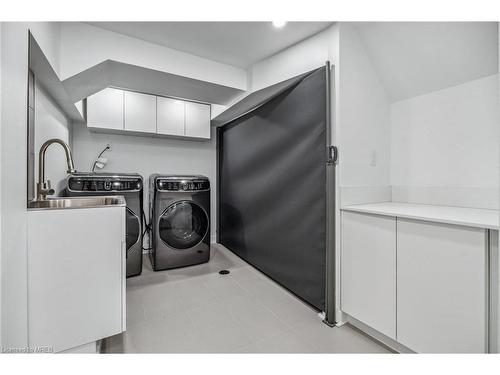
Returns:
point(180, 221)
point(130, 186)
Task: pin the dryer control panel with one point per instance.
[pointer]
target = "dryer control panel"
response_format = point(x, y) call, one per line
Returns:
point(104, 184)
point(165, 184)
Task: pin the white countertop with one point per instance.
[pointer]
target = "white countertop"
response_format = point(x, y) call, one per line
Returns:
point(471, 217)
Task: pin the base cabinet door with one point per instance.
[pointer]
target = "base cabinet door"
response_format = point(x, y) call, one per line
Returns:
point(441, 287)
point(369, 270)
point(76, 276)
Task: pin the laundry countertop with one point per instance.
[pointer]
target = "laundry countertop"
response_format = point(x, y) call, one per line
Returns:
point(471, 217)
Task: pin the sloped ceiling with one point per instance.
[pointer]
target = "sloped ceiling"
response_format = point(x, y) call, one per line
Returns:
point(111, 73)
point(414, 58)
point(235, 43)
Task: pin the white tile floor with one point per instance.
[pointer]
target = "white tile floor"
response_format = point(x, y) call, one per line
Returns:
point(196, 310)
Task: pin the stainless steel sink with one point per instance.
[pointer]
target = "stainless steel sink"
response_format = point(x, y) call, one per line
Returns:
point(77, 202)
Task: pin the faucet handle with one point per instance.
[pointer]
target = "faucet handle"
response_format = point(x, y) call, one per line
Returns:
point(44, 189)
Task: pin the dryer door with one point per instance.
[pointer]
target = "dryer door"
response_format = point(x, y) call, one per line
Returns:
point(183, 225)
point(133, 229)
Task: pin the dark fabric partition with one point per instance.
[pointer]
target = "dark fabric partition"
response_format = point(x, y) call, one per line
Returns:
point(272, 187)
point(255, 100)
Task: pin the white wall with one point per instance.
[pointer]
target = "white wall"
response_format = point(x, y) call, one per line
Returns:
point(50, 122)
point(437, 148)
point(13, 181)
point(444, 146)
point(307, 55)
point(83, 46)
point(364, 126)
point(415, 58)
point(147, 155)
point(13, 170)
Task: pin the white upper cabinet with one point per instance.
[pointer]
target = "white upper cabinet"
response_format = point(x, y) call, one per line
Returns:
point(105, 109)
point(112, 109)
point(139, 112)
point(197, 120)
point(170, 116)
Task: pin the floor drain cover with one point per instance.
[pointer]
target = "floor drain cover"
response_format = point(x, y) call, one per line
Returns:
point(224, 272)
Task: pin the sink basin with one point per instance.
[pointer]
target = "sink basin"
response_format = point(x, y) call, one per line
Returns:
point(77, 202)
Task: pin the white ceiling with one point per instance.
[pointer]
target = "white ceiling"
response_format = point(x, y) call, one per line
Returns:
point(235, 43)
point(413, 58)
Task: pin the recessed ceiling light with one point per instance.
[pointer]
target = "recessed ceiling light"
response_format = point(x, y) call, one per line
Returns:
point(279, 24)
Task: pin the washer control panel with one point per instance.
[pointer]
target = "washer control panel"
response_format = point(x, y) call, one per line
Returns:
point(166, 184)
point(104, 184)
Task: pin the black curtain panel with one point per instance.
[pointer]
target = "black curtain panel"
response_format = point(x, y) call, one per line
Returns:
point(272, 183)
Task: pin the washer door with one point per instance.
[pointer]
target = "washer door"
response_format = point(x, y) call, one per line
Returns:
point(183, 225)
point(132, 229)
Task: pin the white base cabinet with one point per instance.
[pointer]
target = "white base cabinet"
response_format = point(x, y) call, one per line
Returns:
point(423, 284)
point(369, 270)
point(76, 276)
point(442, 287)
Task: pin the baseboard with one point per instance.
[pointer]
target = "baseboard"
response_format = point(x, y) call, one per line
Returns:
point(90, 348)
point(388, 342)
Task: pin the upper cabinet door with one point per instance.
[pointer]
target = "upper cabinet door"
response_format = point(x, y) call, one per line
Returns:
point(140, 112)
point(105, 109)
point(170, 116)
point(197, 120)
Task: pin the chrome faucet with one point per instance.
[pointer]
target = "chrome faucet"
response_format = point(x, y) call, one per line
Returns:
point(43, 187)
